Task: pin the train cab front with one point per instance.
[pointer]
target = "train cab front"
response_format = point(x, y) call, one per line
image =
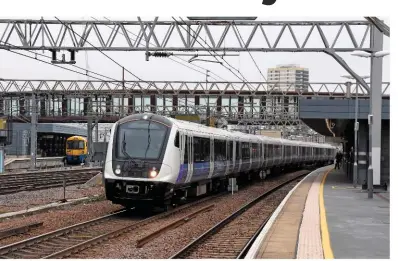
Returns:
point(132, 176)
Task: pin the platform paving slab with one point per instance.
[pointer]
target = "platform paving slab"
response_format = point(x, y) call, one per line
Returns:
point(279, 239)
point(358, 227)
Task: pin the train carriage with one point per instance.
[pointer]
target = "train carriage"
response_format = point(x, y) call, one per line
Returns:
point(76, 149)
point(153, 159)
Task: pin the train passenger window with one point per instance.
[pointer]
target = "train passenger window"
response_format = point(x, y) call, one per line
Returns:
point(220, 150)
point(216, 150)
point(186, 151)
point(238, 150)
point(255, 151)
point(228, 152)
point(177, 140)
point(205, 149)
point(231, 150)
point(245, 151)
point(287, 151)
point(197, 150)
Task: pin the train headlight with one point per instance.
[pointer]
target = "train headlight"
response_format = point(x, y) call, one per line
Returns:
point(153, 173)
point(117, 170)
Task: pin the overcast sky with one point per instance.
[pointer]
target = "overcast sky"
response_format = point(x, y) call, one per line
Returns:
point(322, 68)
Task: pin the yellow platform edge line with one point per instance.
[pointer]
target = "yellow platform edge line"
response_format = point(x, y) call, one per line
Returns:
point(326, 245)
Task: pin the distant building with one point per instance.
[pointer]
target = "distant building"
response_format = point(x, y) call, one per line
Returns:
point(286, 78)
point(290, 77)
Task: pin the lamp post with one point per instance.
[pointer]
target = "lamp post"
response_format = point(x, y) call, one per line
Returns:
point(356, 128)
point(375, 89)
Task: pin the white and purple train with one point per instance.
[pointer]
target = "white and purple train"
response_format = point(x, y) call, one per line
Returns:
point(152, 160)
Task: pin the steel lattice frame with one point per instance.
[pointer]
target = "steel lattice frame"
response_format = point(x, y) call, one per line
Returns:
point(266, 112)
point(182, 35)
point(84, 88)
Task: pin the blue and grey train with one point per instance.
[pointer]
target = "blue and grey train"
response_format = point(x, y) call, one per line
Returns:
point(152, 160)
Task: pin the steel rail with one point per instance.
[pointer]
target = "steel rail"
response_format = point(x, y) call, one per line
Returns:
point(31, 242)
point(180, 254)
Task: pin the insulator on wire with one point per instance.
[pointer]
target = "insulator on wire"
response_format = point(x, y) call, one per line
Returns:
point(161, 54)
point(54, 55)
point(72, 55)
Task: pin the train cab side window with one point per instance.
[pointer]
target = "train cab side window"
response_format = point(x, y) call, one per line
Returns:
point(81, 144)
point(177, 140)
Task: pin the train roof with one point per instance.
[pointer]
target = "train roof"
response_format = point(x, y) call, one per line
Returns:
point(201, 129)
point(77, 137)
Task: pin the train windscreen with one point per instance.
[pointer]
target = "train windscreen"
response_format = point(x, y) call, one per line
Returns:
point(75, 144)
point(140, 140)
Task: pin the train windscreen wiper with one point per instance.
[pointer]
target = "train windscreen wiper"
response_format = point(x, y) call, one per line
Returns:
point(131, 161)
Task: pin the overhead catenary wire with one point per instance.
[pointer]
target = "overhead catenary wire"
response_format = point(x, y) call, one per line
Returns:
point(97, 50)
point(56, 65)
point(101, 51)
point(81, 73)
point(73, 65)
point(171, 58)
point(110, 58)
point(216, 54)
point(240, 36)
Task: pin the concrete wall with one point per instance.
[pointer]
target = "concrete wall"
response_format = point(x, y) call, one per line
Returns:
point(363, 153)
point(385, 152)
point(338, 109)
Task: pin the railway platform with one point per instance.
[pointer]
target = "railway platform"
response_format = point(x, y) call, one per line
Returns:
point(325, 217)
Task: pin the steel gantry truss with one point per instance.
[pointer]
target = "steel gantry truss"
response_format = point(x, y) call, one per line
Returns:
point(185, 35)
point(251, 103)
point(83, 88)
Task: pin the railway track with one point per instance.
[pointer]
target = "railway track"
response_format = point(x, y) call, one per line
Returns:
point(12, 183)
point(233, 236)
point(73, 239)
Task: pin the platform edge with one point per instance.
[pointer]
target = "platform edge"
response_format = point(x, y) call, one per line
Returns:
point(326, 245)
point(257, 243)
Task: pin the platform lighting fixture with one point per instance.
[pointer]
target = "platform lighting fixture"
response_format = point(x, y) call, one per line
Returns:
point(367, 55)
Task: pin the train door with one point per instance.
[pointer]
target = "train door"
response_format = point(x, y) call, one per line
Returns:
point(233, 155)
point(183, 151)
point(266, 158)
point(239, 158)
point(228, 154)
point(251, 154)
point(258, 154)
point(262, 154)
point(211, 157)
point(312, 154)
point(190, 157)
